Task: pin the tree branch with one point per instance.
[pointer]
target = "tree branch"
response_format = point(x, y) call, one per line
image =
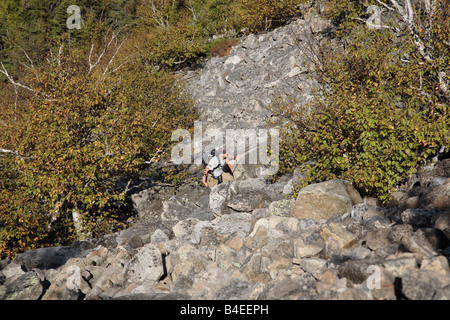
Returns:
point(377, 26)
point(112, 58)
point(5, 72)
point(385, 5)
point(15, 153)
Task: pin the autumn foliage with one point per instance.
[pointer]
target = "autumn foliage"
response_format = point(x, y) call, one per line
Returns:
point(77, 123)
point(383, 107)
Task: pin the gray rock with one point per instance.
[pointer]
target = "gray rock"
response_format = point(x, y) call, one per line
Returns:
point(397, 232)
point(185, 228)
point(433, 238)
point(159, 236)
point(146, 265)
point(359, 253)
point(70, 281)
point(148, 202)
point(13, 271)
point(135, 236)
point(248, 201)
point(323, 200)
point(304, 250)
point(281, 208)
point(357, 271)
point(222, 227)
point(28, 286)
point(443, 222)
point(423, 284)
point(53, 257)
point(401, 265)
point(437, 196)
point(220, 195)
point(378, 238)
point(176, 209)
point(419, 218)
point(251, 184)
point(312, 265)
point(235, 290)
point(425, 241)
point(287, 288)
point(442, 294)
point(359, 210)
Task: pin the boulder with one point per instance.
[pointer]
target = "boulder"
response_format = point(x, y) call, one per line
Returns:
point(13, 271)
point(71, 282)
point(53, 257)
point(306, 250)
point(419, 218)
point(148, 202)
point(28, 286)
point(290, 288)
point(236, 290)
point(249, 201)
point(146, 265)
point(423, 284)
point(220, 195)
point(378, 238)
point(337, 233)
point(323, 200)
point(402, 264)
point(178, 208)
point(357, 271)
point(185, 227)
point(221, 227)
point(437, 197)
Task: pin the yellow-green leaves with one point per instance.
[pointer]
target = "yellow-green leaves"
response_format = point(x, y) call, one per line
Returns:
point(382, 112)
point(73, 138)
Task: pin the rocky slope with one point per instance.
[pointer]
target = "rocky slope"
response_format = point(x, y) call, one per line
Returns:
point(247, 239)
point(234, 92)
point(250, 239)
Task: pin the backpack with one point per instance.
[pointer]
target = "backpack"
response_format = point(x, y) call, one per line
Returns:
point(207, 156)
point(225, 165)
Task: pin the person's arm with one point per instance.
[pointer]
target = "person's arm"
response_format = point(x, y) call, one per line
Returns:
point(230, 157)
point(205, 175)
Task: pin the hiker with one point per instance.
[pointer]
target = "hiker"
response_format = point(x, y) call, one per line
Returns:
point(218, 167)
point(229, 160)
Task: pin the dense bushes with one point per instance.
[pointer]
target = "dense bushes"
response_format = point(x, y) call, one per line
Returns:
point(261, 15)
point(180, 31)
point(76, 124)
point(384, 107)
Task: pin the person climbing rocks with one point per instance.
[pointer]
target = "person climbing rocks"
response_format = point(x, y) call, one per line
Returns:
point(218, 167)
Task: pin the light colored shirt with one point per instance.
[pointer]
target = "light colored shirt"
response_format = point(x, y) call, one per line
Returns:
point(212, 164)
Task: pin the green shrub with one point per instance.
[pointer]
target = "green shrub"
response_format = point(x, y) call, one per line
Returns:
point(377, 117)
point(67, 139)
point(261, 15)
